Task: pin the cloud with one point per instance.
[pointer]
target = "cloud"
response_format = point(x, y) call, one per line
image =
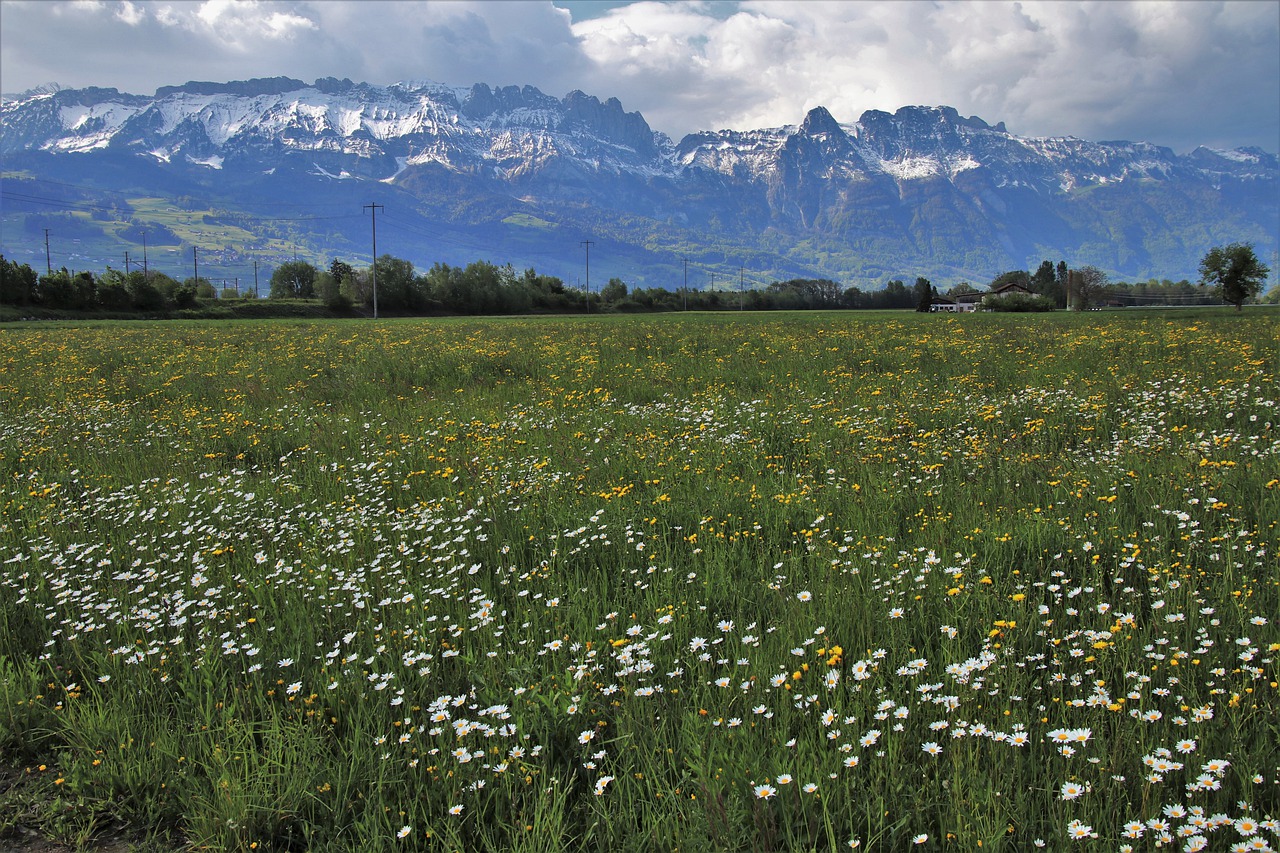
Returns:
point(1143, 71)
point(1176, 73)
point(130, 13)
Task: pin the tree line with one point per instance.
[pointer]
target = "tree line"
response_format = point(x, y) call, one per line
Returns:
point(481, 288)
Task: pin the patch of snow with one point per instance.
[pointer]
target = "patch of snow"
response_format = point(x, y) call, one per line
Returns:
point(321, 170)
point(72, 144)
point(912, 168)
point(1235, 155)
point(402, 163)
point(214, 162)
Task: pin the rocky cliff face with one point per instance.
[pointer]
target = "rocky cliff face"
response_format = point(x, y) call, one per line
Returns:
point(922, 190)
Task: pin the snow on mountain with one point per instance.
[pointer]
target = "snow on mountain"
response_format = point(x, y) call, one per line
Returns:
point(923, 185)
point(515, 132)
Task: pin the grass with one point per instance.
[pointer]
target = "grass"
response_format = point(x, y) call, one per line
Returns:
point(762, 582)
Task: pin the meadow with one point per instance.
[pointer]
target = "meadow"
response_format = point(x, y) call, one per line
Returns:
point(814, 581)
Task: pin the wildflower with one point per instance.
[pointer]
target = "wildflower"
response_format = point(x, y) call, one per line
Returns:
point(1246, 826)
point(931, 747)
point(921, 838)
point(1071, 790)
point(804, 595)
point(404, 831)
point(1076, 831)
point(455, 810)
point(784, 779)
point(601, 784)
point(764, 792)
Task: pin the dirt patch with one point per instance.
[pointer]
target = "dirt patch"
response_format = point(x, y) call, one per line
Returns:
point(25, 809)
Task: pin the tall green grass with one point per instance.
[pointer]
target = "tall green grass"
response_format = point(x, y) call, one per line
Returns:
point(655, 583)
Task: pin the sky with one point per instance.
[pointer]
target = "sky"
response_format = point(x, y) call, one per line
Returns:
point(1178, 73)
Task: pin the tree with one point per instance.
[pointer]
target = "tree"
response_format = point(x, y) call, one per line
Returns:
point(1234, 271)
point(1044, 279)
point(397, 288)
point(293, 279)
point(18, 282)
point(143, 294)
point(1087, 287)
point(614, 291)
point(894, 295)
point(1018, 277)
point(924, 294)
point(340, 270)
point(330, 292)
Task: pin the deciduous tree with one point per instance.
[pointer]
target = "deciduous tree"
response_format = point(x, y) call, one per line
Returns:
point(1234, 271)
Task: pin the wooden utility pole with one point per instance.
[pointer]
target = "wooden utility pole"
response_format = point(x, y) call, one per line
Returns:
point(373, 210)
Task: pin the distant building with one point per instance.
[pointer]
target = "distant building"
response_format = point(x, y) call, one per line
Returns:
point(1007, 289)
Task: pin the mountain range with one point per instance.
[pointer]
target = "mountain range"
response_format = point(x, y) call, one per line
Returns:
point(268, 169)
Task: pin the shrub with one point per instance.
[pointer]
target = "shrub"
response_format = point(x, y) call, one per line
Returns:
point(1018, 303)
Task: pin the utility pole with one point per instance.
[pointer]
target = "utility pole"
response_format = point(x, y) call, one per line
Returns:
point(144, 254)
point(255, 278)
point(373, 212)
point(742, 285)
point(48, 259)
point(588, 244)
point(126, 263)
point(684, 292)
point(195, 268)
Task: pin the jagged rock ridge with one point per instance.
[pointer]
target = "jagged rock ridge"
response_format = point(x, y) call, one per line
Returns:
point(923, 188)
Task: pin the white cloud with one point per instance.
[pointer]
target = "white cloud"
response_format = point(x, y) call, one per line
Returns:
point(1144, 70)
point(130, 13)
point(1177, 73)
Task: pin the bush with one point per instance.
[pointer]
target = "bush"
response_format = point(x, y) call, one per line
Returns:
point(1018, 303)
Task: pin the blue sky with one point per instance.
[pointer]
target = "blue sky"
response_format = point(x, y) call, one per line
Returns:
point(1179, 73)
